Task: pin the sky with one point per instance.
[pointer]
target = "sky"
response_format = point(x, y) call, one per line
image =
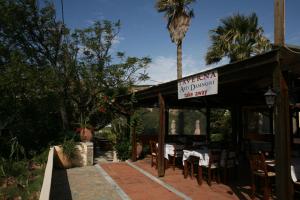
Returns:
point(144, 32)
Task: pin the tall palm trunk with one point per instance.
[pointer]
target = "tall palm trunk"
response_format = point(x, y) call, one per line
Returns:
point(179, 60)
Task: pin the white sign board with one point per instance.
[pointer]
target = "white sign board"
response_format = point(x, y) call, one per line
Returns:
point(198, 85)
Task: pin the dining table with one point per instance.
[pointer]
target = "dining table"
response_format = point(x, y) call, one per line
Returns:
point(203, 156)
point(173, 149)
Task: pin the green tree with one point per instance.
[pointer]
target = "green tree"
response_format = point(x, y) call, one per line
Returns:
point(50, 75)
point(99, 75)
point(238, 37)
point(178, 14)
point(30, 43)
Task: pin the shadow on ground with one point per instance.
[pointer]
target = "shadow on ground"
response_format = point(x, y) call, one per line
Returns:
point(60, 187)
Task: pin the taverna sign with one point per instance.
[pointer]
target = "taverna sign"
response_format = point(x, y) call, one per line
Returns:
point(202, 84)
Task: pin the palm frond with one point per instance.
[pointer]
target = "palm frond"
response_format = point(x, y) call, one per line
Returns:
point(238, 37)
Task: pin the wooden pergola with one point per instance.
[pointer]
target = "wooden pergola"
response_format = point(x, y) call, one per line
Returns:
point(240, 84)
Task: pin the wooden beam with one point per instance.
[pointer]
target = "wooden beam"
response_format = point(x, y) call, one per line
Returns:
point(282, 136)
point(279, 22)
point(161, 136)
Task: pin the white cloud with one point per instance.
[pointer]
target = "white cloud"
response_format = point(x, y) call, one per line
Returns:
point(164, 69)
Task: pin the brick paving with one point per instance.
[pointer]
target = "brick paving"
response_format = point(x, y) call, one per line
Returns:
point(192, 189)
point(136, 184)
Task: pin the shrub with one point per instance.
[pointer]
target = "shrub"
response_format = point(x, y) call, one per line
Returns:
point(68, 148)
point(123, 148)
point(217, 137)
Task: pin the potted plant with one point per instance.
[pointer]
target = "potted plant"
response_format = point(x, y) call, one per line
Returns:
point(85, 130)
point(65, 153)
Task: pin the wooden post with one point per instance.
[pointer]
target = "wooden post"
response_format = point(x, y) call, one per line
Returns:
point(207, 124)
point(282, 136)
point(161, 136)
point(166, 121)
point(133, 142)
point(279, 22)
point(234, 123)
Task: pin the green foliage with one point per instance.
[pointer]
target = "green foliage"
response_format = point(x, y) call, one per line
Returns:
point(217, 137)
point(108, 134)
point(42, 157)
point(238, 37)
point(123, 149)
point(68, 147)
point(17, 150)
point(220, 125)
point(53, 78)
point(25, 183)
point(136, 122)
point(176, 12)
point(150, 119)
point(123, 146)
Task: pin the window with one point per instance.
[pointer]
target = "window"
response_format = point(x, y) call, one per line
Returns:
point(187, 122)
point(257, 121)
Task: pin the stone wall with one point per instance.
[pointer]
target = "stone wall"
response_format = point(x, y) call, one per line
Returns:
point(84, 155)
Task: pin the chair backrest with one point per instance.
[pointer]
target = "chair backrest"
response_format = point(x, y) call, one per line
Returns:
point(228, 158)
point(293, 174)
point(258, 163)
point(214, 157)
point(153, 146)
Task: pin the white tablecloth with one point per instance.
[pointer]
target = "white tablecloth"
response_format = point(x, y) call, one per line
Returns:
point(169, 149)
point(202, 154)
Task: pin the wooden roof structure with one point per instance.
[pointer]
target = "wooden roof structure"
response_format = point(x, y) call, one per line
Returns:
point(237, 81)
point(241, 84)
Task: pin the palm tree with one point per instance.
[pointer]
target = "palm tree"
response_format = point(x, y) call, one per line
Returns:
point(178, 14)
point(238, 38)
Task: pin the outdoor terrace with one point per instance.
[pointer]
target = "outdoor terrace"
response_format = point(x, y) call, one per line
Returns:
point(138, 180)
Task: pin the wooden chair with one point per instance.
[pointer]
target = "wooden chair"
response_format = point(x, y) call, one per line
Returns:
point(213, 168)
point(259, 170)
point(296, 183)
point(228, 163)
point(190, 163)
point(154, 153)
point(172, 159)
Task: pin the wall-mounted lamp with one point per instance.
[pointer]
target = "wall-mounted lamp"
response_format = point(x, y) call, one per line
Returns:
point(270, 96)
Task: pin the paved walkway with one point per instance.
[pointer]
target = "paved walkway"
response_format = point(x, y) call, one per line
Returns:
point(136, 181)
point(85, 183)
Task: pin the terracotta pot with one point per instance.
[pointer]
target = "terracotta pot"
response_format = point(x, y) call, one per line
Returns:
point(86, 135)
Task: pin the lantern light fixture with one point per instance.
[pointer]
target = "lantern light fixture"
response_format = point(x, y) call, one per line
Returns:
point(270, 96)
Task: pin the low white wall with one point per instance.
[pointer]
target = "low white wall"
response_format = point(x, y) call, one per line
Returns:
point(46, 188)
point(84, 157)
